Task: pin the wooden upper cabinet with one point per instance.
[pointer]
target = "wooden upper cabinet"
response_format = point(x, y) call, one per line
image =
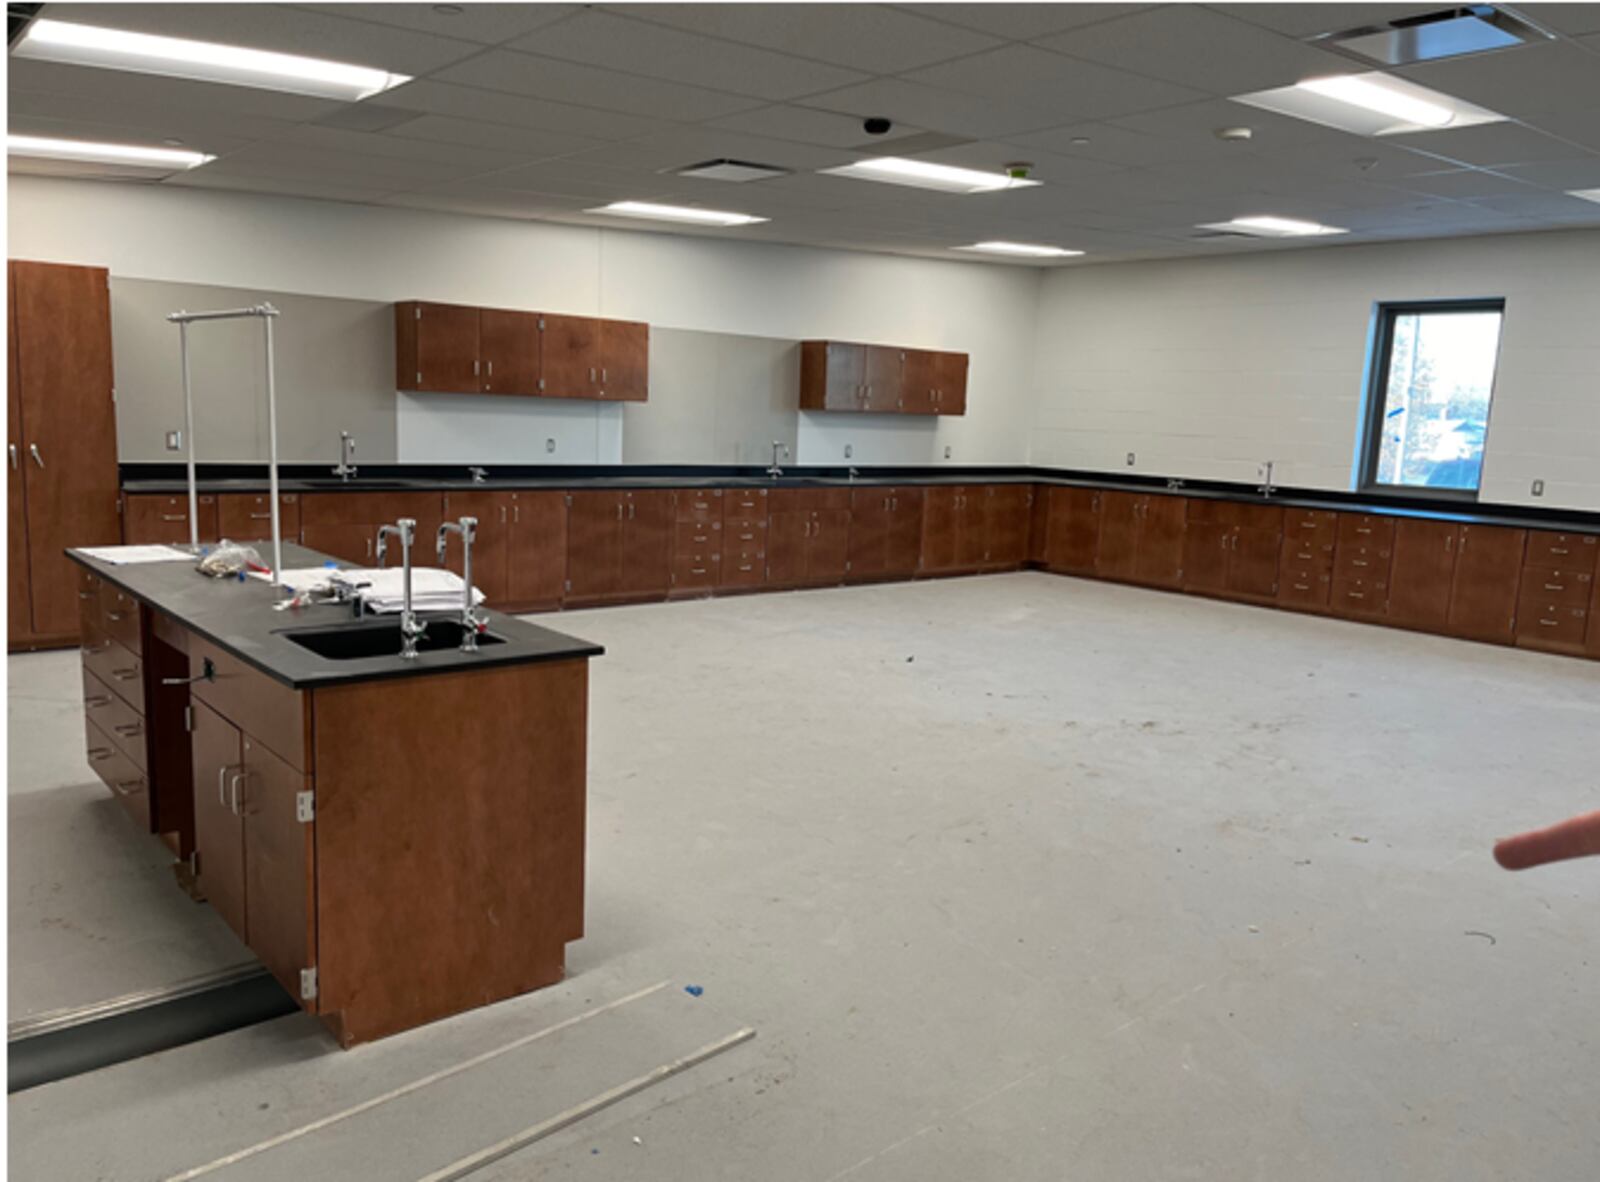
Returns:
point(511, 346)
point(624, 361)
point(437, 348)
point(881, 379)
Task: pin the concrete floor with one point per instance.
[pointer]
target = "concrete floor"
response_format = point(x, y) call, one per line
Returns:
point(1017, 877)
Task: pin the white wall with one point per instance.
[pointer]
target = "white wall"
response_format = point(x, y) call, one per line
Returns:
point(1205, 367)
point(674, 281)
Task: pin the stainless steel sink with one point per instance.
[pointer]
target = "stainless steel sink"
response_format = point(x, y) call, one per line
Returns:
point(379, 638)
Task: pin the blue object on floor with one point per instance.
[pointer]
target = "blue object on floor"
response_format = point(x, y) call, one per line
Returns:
point(694, 990)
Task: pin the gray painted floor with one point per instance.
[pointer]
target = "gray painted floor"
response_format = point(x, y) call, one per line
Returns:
point(94, 911)
point(1018, 878)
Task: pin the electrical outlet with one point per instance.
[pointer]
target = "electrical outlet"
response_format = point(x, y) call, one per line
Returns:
point(848, 451)
point(174, 440)
point(1130, 459)
point(550, 445)
point(947, 451)
point(1538, 488)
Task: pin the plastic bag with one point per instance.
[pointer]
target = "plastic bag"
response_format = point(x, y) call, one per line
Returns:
point(228, 560)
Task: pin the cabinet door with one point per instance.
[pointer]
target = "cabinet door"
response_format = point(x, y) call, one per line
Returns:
point(1483, 596)
point(883, 378)
point(972, 528)
point(647, 543)
point(492, 550)
point(150, 518)
point(624, 361)
point(447, 349)
point(537, 562)
point(68, 455)
point(218, 829)
point(939, 527)
point(19, 621)
point(248, 516)
point(1007, 520)
point(594, 543)
point(510, 343)
point(1593, 647)
point(788, 532)
point(1117, 548)
point(869, 532)
point(904, 541)
point(1206, 546)
point(1074, 530)
point(950, 398)
point(570, 356)
point(919, 382)
point(828, 547)
point(1421, 573)
point(1253, 562)
point(279, 866)
point(1161, 529)
point(353, 543)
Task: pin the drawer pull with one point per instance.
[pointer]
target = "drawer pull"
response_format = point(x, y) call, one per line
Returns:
point(86, 595)
point(95, 701)
point(129, 730)
point(1356, 594)
point(1549, 623)
point(1559, 550)
point(98, 753)
point(261, 517)
point(174, 517)
point(1361, 562)
point(1555, 586)
point(1302, 586)
point(1363, 529)
point(126, 787)
point(114, 617)
point(126, 674)
point(747, 566)
point(697, 570)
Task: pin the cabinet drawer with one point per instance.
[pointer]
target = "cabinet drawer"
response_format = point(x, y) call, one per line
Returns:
point(1568, 587)
point(1304, 587)
point(89, 618)
point(808, 500)
point(267, 710)
point(373, 508)
point(744, 503)
point(698, 504)
point(1356, 595)
point(127, 782)
point(691, 569)
point(115, 719)
point(697, 536)
point(1362, 561)
point(115, 667)
point(1313, 527)
point(1565, 551)
point(1365, 529)
point(744, 532)
point(119, 613)
point(1541, 623)
point(744, 567)
point(1301, 552)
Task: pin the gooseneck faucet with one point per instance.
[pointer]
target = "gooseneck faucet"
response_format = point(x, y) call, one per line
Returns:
point(410, 627)
point(345, 469)
point(1266, 476)
point(471, 622)
point(777, 469)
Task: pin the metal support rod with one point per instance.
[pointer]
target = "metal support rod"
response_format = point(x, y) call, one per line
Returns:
point(188, 435)
point(224, 314)
point(272, 448)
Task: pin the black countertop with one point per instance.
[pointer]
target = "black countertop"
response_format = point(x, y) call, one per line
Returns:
point(239, 617)
point(167, 479)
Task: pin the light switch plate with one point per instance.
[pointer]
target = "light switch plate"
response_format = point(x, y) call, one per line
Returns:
point(947, 451)
point(1130, 459)
point(848, 451)
point(1538, 488)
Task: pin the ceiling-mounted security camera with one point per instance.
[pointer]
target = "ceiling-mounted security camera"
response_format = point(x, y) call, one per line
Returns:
point(876, 125)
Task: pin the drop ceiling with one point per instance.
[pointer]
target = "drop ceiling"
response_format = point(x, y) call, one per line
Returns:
point(544, 111)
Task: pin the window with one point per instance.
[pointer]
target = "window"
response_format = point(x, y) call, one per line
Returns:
point(1428, 396)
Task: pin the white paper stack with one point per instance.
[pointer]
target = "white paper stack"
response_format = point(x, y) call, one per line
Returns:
point(383, 591)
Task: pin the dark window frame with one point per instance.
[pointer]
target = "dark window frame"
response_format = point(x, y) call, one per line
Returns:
point(1377, 395)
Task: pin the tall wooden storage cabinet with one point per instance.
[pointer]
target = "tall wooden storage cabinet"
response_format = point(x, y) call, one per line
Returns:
point(62, 443)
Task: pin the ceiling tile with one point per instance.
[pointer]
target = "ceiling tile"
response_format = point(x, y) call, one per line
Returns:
point(996, 155)
point(281, 29)
point(297, 187)
point(933, 108)
point(493, 106)
point(504, 204)
point(1116, 143)
point(198, 138)
point(807, 126)
point(871, 37)
point(1580, 125)
point(1564, 175)
point(654, 51)
point(1022, 22)
point(487, 24)
point(1549, 77)
point(1564, 18)
point(532, 143)
point(683, 146)
point(590, 86)
point(1307, 20)
point(1466, 184)
point(1490, 144)
point(1069, 88)
point(114, 88)
point(363, 143)
point(308, 160)
point(1194, 46)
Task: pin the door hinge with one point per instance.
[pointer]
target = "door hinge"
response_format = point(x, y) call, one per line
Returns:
point(419, 377)
point(846, 567)
point(305, 807)
point(418, 310)
point(569, 584)
point(188, 718)
point(569, 495)
point(541, 383)
point(541, 324)
point(308, 984)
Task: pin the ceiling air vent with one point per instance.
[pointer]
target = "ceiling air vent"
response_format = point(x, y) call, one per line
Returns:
point(1450, 32)
point(738, 171)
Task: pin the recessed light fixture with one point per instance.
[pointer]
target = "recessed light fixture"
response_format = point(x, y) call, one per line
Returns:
point(1026, 250)
point(44, 148)
point(737, 171)
point(676, 213)
point(202, 61)
point(1370, 104)
point(1267, 226)
point(1585, 194)
point(923, 174)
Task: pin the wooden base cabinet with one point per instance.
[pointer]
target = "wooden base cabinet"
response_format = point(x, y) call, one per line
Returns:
point(619, 546)
point(1483, 594)
point(1305, 565)
point(1232, 549)
point(1559, 574)
point(1142, 538)
point(1361, 562)
point(1422, 573)
point(152, 518)
point(345, 525)
point(62, 443)
point(744, 538)
point(536, 566)
point(955, 529)
point(808, 537)
point(1073, 530)
point(885, 533)
point(247, 517)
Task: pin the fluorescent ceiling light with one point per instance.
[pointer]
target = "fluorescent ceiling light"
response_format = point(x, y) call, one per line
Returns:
point(1370, 104)
point(1266, 226)
point(1372, 94)
point(922, 174)
point(1585, 194)
point(1022, 250)
point(54, 149)
point(677, 213)
point(202, 61)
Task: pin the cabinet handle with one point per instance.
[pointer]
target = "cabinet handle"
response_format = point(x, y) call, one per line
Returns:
point(12, 448)
point(1356, 595)
point(1547, 624)
point(95, 701)
point(1559, 550)
point(603, 378)
point(619, 510)
point(630, 511)
point(127, 673)
point(1363, 529)
point(96, 754)
point(516, 512)
point(174, 517)
point(1360, 562)
point(261, 517)
point(124, 787)
point(474, 369)
point(369, 547)
point(236, 798)
point(490, 366)
point(591, 375)
point(222, 787)
point(747, 566)
point(33, 450)
point(1449, 543)
point(129, 730)
point(1302, 586)
point(1555, 586)
point(502, 514)
point(697, 570)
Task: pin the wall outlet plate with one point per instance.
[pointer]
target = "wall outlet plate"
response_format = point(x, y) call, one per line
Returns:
point(550, 445)
point(1538, 488)
point(848, 451)
point(1130, 459)
point(947, 451)
point(174, 440)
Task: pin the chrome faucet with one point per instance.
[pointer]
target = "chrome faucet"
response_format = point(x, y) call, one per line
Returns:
point(478, 474)
point(471, 622)
point(410, 627)
point(853, 474)
point(777, 469)
point(345, 469)
point(1265, 489)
